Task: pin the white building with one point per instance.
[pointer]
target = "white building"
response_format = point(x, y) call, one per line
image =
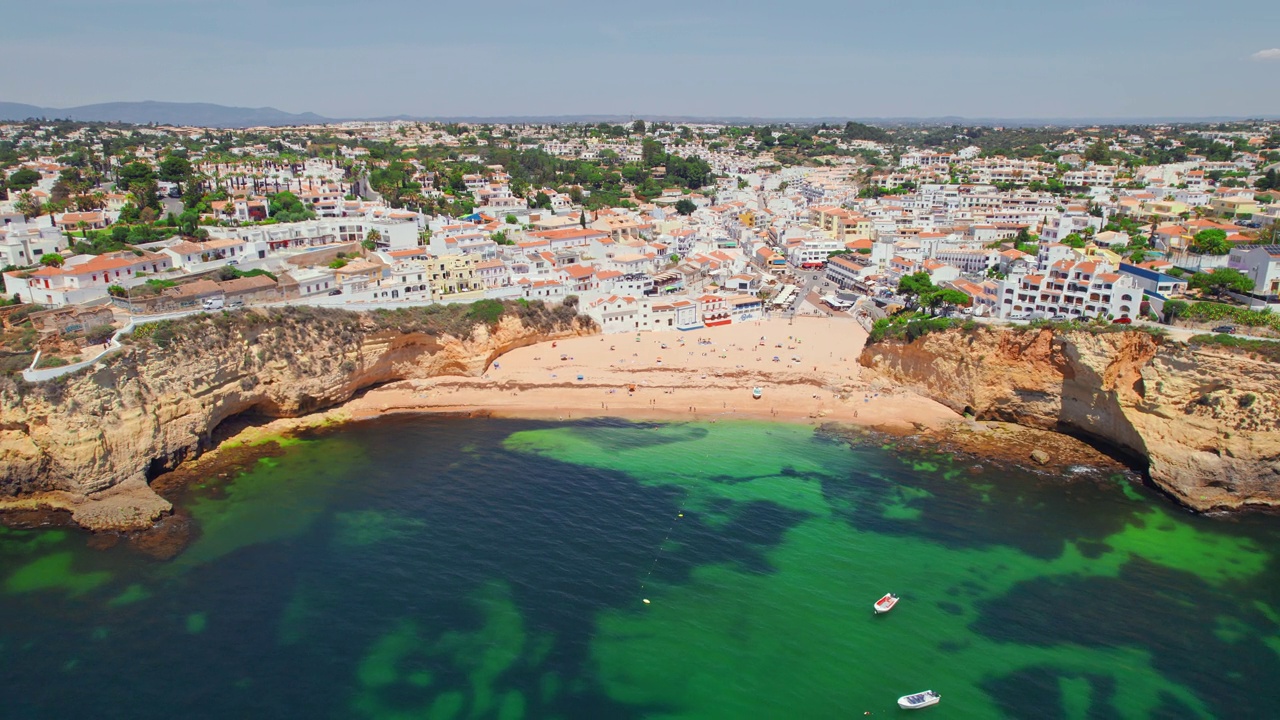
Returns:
point(1261, 263)
point(23, 244)
point(1071, 289)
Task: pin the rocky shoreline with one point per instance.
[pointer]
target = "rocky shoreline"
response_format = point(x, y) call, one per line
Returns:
point(90, 443)
point(982, 444)
point(1205, 422)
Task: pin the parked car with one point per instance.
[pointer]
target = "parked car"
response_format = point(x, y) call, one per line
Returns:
point(1059, 318)
point(336, 291)
point(1227, 329)
point(1122, 321)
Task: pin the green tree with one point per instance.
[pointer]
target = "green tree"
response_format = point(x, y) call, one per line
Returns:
point(29, 205)
point(24, 179)
point(52, 260)
point(146, 196)
point(685, 206)
point(1073, 240)
point(133, 174)
point(638, 127)
point(541, 200)
point(859, 131)
point(1211, 242)
point(1175, 309)
point(189, 222)
point(1098, 153)
point(287, 207)
point(651, 153)
point(917, 284)
point(1221, 280)
point(175, 169)
point(512, 220)
point(1268, 181)
point(939, 297)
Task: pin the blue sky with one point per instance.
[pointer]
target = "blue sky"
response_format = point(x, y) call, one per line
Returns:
point(893, 58)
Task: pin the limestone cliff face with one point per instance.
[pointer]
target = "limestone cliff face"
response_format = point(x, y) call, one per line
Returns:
point(159, 401)
point(1207, 420)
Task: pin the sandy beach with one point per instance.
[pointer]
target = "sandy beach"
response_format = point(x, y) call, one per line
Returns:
point(806, 369)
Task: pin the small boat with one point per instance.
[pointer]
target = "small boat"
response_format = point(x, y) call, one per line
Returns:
point(919, 700)
point(886, 603)
point(757, 393)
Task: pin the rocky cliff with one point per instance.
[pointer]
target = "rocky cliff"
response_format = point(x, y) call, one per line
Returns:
point(1205, 419)
point(157, 403)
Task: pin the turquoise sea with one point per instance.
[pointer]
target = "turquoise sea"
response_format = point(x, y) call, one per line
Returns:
point(447, 568)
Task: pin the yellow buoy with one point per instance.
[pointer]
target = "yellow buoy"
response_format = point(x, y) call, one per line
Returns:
point(646, 601)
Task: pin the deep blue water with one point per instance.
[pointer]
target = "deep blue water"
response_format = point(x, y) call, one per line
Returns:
point(439, 568)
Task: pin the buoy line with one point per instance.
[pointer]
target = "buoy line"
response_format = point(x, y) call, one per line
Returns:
point(658, 556)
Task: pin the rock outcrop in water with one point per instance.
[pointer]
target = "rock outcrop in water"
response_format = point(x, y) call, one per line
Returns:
point(102, 433)
point(1205, 419)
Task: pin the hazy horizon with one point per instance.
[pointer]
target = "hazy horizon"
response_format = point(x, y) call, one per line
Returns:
point(1001, 59)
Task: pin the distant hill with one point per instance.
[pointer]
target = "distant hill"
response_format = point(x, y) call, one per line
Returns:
point(210, 115)
point(163, 113)
point(20, 111)
point(838, 121)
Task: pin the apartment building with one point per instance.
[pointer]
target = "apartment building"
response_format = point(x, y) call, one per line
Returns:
point(1071, 289)
point(969, 260)
point(842, 223)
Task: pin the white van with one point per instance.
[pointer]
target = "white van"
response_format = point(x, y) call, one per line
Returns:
point(213, 303)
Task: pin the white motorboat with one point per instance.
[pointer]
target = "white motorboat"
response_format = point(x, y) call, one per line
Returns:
point(886, 603)
point(919, 700)
point(757, 393)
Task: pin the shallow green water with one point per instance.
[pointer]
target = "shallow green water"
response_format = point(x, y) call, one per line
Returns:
point(435, 568)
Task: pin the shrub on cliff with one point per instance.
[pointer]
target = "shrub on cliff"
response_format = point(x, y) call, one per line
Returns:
point(300, 324)
point(1261, 349)
point(909, 327)
point(1215, 312)
point(486, 311)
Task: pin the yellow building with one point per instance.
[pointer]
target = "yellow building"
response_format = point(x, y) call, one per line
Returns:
point(1235, 205)
point(1093, 251)
point(1165, 209)
point(452, 274)
point(843, 224)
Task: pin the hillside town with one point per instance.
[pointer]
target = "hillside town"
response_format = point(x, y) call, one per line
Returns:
point(644, 226)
